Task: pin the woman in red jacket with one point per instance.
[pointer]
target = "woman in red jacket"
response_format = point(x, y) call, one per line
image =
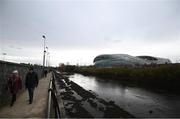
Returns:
point(14, 85)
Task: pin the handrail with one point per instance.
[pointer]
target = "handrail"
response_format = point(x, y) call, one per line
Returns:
point(52, 100)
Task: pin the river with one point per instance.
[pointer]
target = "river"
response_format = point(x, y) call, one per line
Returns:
point(137, 101)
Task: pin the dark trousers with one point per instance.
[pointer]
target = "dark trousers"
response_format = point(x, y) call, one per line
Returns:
point(31, 93)
point(13, 99)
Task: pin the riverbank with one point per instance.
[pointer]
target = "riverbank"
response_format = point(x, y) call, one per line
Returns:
point(81, 103)
point(160, 77)
point(140, 102)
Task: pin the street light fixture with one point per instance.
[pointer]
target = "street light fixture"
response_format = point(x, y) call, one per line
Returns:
point(4, 54)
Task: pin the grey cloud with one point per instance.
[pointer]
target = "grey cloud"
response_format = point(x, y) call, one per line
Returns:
point(88, 24)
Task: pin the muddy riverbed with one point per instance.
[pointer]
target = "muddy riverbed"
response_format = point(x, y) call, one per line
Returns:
point(81, 103)
point(140, 102)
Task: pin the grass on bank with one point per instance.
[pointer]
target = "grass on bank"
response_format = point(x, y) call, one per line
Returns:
point(166, 76)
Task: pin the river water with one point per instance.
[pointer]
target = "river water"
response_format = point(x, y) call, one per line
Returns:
point(137, 101)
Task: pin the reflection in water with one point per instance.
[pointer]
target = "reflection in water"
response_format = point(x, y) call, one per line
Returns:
point(137, 101)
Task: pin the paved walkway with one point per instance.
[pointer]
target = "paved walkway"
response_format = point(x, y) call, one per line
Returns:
point(22, 108)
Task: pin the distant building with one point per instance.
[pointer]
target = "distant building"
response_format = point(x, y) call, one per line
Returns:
point(110, 60)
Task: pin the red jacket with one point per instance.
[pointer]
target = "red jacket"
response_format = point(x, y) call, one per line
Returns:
point(14, 84)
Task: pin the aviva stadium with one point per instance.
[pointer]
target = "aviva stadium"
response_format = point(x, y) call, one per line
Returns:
point(110, 60)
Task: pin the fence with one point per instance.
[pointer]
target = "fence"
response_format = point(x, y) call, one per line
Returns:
point(53, 110)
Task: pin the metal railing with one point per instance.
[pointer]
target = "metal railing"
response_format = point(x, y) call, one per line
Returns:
point(53, 110)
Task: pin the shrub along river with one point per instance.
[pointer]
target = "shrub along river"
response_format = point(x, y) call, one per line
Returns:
point(137, 101)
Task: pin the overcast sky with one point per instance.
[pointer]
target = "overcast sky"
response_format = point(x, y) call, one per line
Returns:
point(78, 30)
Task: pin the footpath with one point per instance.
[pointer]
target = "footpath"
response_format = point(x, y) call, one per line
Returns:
point(22, 108)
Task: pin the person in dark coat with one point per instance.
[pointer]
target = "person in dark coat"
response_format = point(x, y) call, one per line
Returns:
point(14, 84)
point(45, 73)
point(31, 82)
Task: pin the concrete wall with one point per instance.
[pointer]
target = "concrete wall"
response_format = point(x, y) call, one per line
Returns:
point(6, 69)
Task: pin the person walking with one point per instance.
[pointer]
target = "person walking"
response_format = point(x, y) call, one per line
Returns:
point(45, 73)
point(31, 82)
point(14, 84)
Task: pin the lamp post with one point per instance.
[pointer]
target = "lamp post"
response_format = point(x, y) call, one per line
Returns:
point(47, 56)
point(44, 37)
point(49, 60)
point(4, 54)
